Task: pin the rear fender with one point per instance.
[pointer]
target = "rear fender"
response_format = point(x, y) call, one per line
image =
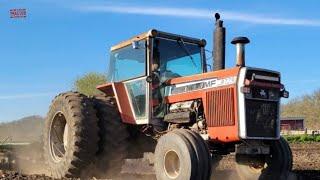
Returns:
point(118, 90)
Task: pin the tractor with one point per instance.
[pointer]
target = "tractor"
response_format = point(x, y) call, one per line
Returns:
point(161, 86)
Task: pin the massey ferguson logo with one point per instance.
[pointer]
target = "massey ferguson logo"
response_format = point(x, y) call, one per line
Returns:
point(204, 84)
point(263, 93)
point(209, 84)
point(219, 82)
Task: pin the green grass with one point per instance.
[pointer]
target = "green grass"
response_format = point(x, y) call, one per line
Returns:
point(302, 138)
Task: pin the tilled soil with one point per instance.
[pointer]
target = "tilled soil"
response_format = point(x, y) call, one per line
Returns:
point(306, 156)
point(306, 160)
point(306, 165)
point(4, 174)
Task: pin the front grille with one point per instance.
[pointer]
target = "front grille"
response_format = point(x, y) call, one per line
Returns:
point(220, 107)
point(261, 118)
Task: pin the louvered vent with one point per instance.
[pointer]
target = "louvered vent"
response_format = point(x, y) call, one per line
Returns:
point(220, 109)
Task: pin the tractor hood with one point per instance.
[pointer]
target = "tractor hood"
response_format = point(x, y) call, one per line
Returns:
point(194, 83)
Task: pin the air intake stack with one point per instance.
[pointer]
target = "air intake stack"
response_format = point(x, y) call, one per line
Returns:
point(240, 43)
point(219, 42)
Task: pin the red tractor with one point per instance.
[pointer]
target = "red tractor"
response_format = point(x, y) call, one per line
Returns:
point(159, 85)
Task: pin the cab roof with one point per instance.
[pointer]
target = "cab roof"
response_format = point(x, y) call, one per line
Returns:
point(156, 33)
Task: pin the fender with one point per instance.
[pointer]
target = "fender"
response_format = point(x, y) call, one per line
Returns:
point(118, 90)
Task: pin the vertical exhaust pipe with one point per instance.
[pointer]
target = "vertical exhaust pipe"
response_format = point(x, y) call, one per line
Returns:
point(219, 42)
point(240, 43)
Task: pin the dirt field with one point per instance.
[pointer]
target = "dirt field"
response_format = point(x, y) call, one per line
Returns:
point(306, 160)
point(306, 165)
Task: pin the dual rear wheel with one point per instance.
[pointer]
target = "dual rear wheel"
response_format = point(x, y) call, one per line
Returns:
point(70, 135)
point(84, 137)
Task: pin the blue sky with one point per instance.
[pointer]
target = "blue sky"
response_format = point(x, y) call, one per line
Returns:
point(59, 41)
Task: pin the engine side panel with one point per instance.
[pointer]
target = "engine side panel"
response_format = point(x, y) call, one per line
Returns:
point(220, 107)
point(222, 114)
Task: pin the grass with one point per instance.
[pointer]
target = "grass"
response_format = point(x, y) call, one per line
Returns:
point(302, 138)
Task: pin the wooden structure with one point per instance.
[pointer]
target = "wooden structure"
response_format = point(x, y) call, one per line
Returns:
point(292, 123)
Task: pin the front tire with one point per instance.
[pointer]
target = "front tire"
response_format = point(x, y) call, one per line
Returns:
point(277, 165)
point(182, 154)
point(70, 135)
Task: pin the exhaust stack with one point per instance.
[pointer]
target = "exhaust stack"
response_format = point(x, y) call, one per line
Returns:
point(219, 42)
point(240, 43)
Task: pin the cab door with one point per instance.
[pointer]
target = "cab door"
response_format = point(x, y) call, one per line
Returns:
point(129, 71)
point(138, 94)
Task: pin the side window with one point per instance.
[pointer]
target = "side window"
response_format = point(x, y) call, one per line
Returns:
point(127, 63)
point(137, 92)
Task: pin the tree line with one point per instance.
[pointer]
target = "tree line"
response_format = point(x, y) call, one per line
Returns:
point(307, 106)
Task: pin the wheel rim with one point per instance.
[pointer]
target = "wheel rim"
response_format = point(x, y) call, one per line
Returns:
point(172, 164)
point(58, 137)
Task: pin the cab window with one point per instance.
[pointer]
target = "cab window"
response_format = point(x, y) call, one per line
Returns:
point(177, 58)
point(127, 63)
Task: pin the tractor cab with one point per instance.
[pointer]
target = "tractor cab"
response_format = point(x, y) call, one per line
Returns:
point(145, 62)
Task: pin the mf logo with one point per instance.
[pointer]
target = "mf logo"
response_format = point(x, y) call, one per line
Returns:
point(208, 84)
point(263, 93)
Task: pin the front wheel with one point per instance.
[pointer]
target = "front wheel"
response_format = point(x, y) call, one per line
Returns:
point(277, 165)
point(182, 154)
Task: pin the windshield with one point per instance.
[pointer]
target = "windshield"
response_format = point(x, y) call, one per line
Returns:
point(177, 58)
point(127, 63)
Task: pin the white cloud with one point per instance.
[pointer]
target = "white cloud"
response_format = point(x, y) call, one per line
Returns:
point(25, 96)
point(199, 13)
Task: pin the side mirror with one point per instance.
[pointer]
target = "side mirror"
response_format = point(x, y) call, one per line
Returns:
point(284, 94)
point(149, 79)
point(135, 45)
point(153, 78)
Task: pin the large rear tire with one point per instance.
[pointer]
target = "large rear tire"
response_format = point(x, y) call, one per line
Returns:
point(113, 144)
point(182, 154)
point(277, 165)
point(70, 135)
